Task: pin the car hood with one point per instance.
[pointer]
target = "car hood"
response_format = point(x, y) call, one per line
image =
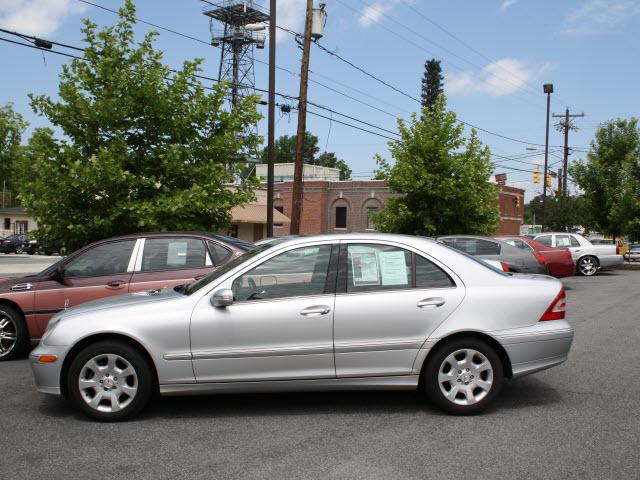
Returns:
point(123, 301)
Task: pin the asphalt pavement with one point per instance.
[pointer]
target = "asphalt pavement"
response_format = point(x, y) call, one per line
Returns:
point(23, 264)
point(575, 421)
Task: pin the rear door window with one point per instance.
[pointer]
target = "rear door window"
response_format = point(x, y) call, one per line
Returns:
point(563, 241)
point(429, 275)
point(175, 253)
point(574, 241)
point(219, 254)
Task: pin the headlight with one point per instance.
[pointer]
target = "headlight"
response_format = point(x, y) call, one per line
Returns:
point(50, 327)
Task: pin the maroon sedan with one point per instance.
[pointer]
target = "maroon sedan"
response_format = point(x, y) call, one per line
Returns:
point(106, 268)
point(557, 260)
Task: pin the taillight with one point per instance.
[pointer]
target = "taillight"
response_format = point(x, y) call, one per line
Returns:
point(505, 267)
point(539, 257)
point(6, 242)
point(617, 249)
point(557, 309)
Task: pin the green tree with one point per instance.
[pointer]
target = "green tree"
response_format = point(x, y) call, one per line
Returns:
point(285, 149)
point(431, 82)
point(142, 148)
point(441, 176)
point(563, 214)
point(12, 127)
point(610, 179)
point(329, 159)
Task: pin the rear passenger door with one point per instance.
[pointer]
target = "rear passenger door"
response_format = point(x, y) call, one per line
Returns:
point(170, 261)
point(388, 301)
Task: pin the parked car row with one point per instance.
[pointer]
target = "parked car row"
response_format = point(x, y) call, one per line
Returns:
point(23, 243)
point(209, 313)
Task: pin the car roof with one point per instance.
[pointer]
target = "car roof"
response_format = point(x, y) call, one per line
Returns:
point(236, 242)
point(351, 236)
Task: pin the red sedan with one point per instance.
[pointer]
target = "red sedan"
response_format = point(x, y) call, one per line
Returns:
point(557, 260)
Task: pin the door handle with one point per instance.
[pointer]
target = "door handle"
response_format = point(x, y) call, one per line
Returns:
point(315, 310)
point(431, 302)
point(115, 284)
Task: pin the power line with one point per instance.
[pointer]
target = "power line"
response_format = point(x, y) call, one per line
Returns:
point(280, 94)
point(437, 45)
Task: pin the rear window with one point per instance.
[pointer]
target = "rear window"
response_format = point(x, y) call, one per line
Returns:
point(479, 262)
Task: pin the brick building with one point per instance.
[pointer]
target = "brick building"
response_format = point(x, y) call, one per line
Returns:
point(344, 206)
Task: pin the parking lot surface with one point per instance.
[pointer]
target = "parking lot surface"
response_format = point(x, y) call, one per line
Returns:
point(23, 264)
point(578, 420)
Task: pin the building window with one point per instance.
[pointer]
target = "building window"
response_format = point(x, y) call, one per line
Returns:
point(279, 208)
point(341, 217)
point(7, 223)
point(370, 212)
point(22, 226)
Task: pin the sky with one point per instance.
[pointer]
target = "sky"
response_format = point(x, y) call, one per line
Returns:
point(495, 54)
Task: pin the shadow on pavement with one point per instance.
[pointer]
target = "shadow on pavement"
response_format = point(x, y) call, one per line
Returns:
point(515, 394)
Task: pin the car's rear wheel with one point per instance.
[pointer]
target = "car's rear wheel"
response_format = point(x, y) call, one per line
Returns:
point(13, 333)
point(587, 266)
point(110, 381)
point(463, 376)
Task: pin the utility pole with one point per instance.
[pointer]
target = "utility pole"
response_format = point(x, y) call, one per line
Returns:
point(564, 126)
point(271, 114)
point(296, 207)
point(548, 89)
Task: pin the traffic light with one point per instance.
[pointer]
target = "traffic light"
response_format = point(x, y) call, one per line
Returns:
point(536, 176)
point(516, 201)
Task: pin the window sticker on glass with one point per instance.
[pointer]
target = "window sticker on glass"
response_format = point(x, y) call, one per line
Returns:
point(177, 253)
point(364, 265)
point(393, 268)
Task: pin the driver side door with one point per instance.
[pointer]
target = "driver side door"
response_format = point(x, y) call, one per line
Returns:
point(279, 326)
point(101, 271)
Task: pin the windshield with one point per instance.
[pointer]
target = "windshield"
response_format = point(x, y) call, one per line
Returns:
point(204, 281)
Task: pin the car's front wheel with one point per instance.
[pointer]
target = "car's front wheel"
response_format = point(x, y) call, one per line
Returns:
point(110, 381)
point(19, 250)
point(463, 376)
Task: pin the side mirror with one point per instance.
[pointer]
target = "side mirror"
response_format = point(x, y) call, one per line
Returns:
point(58, 275)
point(222, 298)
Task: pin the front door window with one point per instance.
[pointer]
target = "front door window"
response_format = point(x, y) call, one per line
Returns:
point(296, 273)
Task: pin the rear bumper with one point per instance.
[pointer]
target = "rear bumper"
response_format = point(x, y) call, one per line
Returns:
point(538, 347)
point(611, 261)
point(47, 375)
point(560, 270)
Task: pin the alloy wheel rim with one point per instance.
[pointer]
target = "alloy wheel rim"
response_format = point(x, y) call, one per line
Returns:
point(8, 334)
point(108, 383)
point(587, 266)
point(465, 377)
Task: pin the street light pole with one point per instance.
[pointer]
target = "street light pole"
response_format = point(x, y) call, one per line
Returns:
point(548, 89)
point(272, 114)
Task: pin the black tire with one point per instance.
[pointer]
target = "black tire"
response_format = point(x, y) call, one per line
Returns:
point(19, 250)
point(581, 266)
point(16, 325)
point(31, 252)
point(431, 371)
point(143, 370)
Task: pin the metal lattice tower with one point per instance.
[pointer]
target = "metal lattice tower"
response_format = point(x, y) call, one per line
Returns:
point(231, 24)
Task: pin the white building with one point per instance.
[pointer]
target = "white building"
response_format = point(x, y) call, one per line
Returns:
point(283, 172)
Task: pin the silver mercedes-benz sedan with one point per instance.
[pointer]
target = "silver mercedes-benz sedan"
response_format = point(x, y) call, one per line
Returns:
point(359, 311)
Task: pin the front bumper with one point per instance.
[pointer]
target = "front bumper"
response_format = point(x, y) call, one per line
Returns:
point(538, 347)
point(47, 375)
